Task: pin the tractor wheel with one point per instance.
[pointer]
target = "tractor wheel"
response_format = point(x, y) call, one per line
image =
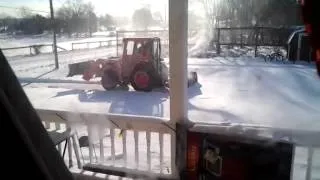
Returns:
point(109, 79)
point(142, 78)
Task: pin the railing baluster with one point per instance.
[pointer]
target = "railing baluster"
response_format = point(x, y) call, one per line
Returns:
point(173, 154)
point(58, 127)
point(124, 146)
point(161, 151)
point(47, 124)
point(101, 149)
point(112, 145)
point(136, 147)
point(76, 149)
point(309, 163)
point(148, 150)
point(90, 143)
point(70, 152)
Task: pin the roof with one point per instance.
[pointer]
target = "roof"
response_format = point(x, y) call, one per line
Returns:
point(140, 38)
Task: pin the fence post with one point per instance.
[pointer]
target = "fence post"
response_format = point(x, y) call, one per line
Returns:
point(299, 47)
point(117, 42)
point(256, 41)
point(241, 39)
point(310, 55)
point(53, 23)
point(30, 47)
point(218, 41)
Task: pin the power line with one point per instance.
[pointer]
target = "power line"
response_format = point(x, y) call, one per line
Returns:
point(33, 10)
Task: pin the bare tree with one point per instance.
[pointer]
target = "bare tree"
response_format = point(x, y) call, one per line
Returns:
point(78, 15)
point(211, 12)
point(121, 21)
point(194, 21)
point(106, 21)
point(157, 18)
point(25, 12)
point(142, 18)
point(212, 18)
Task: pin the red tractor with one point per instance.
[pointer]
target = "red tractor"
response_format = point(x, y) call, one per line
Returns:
point(141, 66)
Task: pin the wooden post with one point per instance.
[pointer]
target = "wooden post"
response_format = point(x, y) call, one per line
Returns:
point(117, 42)
point(53, 24)
point(299, 47)
point(256, 31)
point(241, 39)
point(288, 52)
point(178, 40)
point(310, 55)
point(178, 59)
point(218, 41)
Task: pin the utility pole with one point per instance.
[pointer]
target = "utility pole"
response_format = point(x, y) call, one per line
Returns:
point(54, 47)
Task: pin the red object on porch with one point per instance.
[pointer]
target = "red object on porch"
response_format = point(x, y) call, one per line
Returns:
point(193, 155)
point(310, 13)
point(233, 169)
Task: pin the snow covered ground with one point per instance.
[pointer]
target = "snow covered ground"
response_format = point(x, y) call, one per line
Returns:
point(235, 90)
point(231, 90)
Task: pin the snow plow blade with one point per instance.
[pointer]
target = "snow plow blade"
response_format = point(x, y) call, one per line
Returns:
point(78, 68)
point(192, 78)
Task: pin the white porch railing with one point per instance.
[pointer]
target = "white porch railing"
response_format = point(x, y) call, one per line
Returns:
point(129, 145)
point(145, 146)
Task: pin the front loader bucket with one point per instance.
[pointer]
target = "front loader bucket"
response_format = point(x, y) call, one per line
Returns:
point(192, 78)
point(78, 68)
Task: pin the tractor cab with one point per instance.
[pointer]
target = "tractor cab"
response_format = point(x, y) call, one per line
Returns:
point(138, 50)
point(146, 52)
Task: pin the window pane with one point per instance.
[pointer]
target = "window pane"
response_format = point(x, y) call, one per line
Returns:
point(130, 47)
